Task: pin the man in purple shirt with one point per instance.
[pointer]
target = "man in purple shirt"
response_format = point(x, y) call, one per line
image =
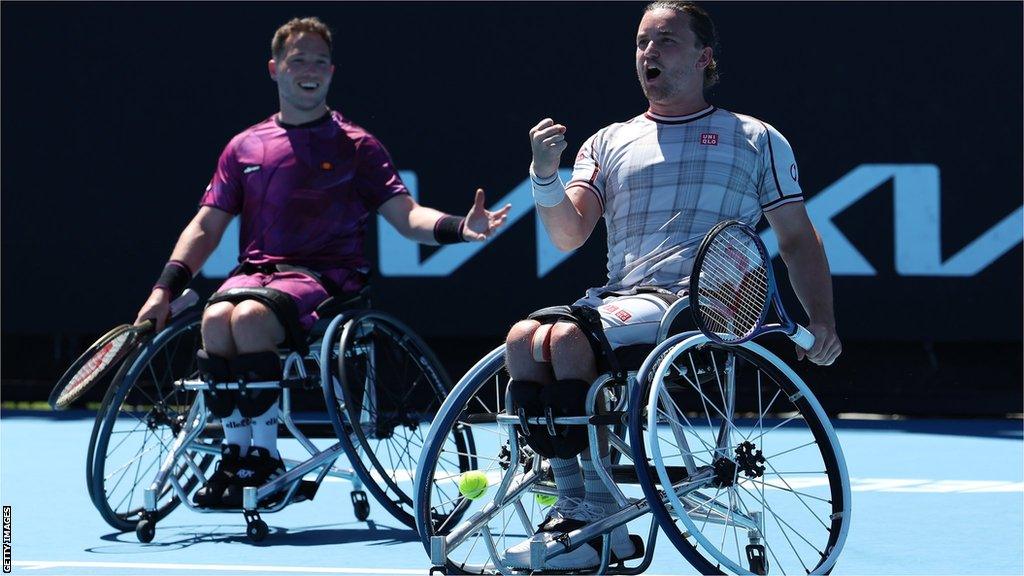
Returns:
point(304, 182)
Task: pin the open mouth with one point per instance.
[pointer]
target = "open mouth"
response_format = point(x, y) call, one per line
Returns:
point(652, 73)
point(309, 86)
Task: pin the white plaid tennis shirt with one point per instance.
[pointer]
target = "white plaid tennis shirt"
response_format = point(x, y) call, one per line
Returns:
point(664, 182)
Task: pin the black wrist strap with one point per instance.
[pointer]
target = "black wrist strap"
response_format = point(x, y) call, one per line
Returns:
point(174, 278)
point(448, 229)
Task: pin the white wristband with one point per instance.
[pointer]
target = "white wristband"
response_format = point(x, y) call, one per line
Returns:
point(548, 192)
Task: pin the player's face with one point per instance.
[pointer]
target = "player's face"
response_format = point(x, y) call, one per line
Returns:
point(303, 73)
point(669, 61)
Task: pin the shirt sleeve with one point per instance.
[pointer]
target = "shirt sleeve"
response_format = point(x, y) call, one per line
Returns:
point(377, 180)
point(225, 188)
point(780, 178)
point(587, 171)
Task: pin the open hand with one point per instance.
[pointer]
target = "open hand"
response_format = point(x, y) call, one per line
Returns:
point(480, 222)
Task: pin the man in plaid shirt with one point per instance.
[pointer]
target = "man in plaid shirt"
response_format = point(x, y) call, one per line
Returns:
point(661, 180)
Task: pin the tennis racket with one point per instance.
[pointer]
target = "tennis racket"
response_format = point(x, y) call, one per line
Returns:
point(732, 288)
point(106, 353)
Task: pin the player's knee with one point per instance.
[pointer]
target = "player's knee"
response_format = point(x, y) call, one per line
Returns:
point(517, 342)
point(218, 316)
point(568, 340)
point(254, 323)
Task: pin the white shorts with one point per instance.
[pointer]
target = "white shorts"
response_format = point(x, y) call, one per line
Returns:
point(630, 319)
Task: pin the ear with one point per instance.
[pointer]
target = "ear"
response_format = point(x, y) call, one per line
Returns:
point(706, 55)
point(272, 68)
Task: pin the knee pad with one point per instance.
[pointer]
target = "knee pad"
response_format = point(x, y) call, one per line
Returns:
point(566, 398)
point(213, 368)
point(256, 367)
point(525, 399)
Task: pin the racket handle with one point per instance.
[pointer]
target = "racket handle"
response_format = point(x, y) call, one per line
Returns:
point(187, 299)
point(802, 337)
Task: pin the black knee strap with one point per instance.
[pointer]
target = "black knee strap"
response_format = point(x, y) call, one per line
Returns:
point(589, 321)
point(281, 304)
point(566, 398)
point(526, 402)
point(213, 368)
point(256, 367)
point(562, 398)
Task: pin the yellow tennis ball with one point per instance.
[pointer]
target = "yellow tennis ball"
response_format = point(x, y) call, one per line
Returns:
point(473, 484)
point(545, 499)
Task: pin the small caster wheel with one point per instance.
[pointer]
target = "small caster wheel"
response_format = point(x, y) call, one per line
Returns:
point(256, 530)
point(360, 505)
point(145, 530)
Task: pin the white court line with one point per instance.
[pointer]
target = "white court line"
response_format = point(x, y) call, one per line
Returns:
point(905, 485)
point(40, 565)
point(43, 564)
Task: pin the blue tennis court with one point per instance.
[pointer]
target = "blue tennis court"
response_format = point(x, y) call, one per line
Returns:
point(929, 497)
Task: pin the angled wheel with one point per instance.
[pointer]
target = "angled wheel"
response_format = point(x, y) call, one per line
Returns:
point(470, 413)
point(388, 388)
point(138, 420)
point(745, 473)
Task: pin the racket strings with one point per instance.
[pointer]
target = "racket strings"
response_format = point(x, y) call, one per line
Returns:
point(100, 360)
point(733, 287)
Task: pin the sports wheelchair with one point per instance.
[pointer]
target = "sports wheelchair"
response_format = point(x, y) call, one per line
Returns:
point(725, 446)
point(152, 443)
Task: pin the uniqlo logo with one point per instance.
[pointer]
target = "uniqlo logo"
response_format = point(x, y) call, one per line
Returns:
point(609, 308)
point(709, 139)
point(623, 315)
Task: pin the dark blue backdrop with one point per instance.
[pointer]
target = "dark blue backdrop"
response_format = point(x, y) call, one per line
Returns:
point(905, 119)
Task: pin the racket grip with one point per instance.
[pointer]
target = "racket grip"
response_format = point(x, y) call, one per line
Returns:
point(187, 299)
point(802, 337)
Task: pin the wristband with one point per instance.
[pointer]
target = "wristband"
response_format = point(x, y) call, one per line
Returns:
point(174, 278)
point(448, 229)
point(547, 193)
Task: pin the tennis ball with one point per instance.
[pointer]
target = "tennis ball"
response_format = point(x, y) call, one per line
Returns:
point(473, 484)
point(545, 499)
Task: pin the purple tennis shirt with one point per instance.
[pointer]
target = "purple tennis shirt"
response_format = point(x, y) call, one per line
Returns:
point(304, 194)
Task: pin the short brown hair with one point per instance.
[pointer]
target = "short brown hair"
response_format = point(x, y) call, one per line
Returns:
point(702, 27)
point(310, 24)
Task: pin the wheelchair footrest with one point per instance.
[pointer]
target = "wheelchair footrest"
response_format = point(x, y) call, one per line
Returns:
point(307, 490)
point(638, 549)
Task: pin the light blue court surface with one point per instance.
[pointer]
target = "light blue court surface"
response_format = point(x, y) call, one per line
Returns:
point(929, 497)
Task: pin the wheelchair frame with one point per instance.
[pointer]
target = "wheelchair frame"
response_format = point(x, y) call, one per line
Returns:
point(325, 352)
point(624, 410)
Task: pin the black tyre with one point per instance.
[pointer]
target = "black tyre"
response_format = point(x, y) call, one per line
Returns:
point(388, 390)
point(138, 420)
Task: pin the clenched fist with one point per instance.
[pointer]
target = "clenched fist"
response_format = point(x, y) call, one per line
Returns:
point(548, 141)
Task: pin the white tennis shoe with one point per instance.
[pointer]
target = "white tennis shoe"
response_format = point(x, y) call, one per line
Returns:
point(566, 515)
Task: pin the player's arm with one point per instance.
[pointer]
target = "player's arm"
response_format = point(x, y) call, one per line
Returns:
point(195, 244)
point(802, 251)
point(569, 216)
point(429, 226)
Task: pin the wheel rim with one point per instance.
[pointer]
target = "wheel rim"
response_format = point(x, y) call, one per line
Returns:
point(440, 508)
point(392, 385)
point(780, 460)
point(141, 415)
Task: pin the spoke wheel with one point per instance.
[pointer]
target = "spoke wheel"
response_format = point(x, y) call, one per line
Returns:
point(389, 388)
point(138, 421)
point(471, 412)
point(764, 474)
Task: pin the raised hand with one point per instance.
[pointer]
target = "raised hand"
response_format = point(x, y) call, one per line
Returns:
point(548, 141)
point(480, 222)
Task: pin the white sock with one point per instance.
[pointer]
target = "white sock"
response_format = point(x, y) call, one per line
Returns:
point(264, 430)
point(237, 431)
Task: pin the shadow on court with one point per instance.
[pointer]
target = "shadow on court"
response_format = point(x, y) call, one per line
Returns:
point(178, 537)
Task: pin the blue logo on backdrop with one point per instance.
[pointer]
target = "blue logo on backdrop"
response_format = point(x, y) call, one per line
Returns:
point(917, 206)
